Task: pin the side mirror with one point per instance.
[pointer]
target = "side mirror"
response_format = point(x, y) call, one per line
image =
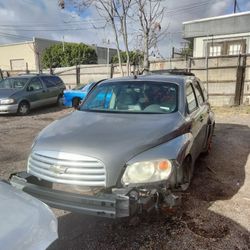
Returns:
point(30, 88)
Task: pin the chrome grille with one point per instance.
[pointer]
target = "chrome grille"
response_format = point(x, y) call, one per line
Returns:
point(60, 167)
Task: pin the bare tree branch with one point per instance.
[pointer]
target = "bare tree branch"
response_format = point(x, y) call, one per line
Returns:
point(150, 14)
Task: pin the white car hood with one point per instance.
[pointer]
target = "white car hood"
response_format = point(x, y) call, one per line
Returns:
point(25, 222)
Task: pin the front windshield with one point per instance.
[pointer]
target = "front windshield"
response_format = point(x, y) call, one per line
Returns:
point(13, 83)
point(133, 97)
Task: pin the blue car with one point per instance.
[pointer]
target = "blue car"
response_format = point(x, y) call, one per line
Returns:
point(73, 97)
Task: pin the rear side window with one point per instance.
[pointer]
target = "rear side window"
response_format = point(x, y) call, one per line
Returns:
point(198, 93)
point(202, 87)
point(57, 80)
point(51, 81)
point(191, 100)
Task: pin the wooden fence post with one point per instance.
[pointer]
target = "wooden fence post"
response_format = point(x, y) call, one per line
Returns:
point(77, 75)
point(240, 80)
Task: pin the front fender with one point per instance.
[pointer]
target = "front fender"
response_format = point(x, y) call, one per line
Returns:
point(175, 150)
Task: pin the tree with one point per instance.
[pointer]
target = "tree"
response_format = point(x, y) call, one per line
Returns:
point(115, 12)
point(187, 51)
point(106, 9)
point(72, 54)
point(122, 8)
point(135, 57)
point(150, 13)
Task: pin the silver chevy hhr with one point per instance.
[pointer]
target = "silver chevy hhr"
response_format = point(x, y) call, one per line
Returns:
point(132, 142)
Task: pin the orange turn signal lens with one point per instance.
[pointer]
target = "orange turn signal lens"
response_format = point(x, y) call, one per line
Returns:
point(164, 165)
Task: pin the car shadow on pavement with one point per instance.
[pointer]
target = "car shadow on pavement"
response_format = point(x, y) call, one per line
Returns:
point(47, 110)
point(213, 214)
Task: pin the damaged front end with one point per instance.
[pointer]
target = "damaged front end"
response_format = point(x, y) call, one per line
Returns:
point(112, 203)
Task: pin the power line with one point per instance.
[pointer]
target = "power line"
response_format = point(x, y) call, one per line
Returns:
point(188, 7)
point(14, 35)
point(101, 20)
point(55, 25)
point(64, 29)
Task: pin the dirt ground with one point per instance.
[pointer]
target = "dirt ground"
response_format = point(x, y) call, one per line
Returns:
point(215, 211)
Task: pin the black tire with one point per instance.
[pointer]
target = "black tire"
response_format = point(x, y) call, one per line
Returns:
point(58, 102)
point(23, 108)
point(75, 102)
point(187, 173)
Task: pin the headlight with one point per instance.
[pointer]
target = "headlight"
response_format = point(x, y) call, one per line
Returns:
point(147, 172)
point(7, 101)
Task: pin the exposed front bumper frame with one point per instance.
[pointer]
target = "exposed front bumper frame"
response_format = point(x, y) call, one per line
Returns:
point(105, 205)
point(120, 203)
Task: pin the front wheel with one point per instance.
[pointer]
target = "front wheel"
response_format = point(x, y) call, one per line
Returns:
point(59, 101)
point(187, 174)
point(23, 108)
point(76, 102)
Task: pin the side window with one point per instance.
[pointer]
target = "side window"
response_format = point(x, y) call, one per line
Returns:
point(35, 84)
point(191, 100)
point(204, 92)
point(198, 93)
point(57, 80)
point(48, 81)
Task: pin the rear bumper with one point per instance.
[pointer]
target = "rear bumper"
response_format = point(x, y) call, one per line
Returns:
point(6, 109)
point(105, 205)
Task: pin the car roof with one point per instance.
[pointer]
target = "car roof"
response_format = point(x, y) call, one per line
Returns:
point(165, 77)
point(29, 75)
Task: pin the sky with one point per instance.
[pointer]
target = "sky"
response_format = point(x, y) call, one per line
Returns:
point(23, 19)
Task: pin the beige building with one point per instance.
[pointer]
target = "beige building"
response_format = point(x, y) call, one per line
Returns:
point(23, 55)
point(27, 55)
point(226, 35)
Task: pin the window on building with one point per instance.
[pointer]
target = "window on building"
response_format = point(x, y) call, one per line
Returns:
point(234, 49)
point(215, 50)
point(226, 47)
point(17, 64)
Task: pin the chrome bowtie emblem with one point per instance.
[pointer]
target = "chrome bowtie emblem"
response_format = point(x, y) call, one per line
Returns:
point(58, 169)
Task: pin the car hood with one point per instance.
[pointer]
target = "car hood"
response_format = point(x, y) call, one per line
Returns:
point(5, 93)
point(26, 223)
point(113, 138)
point(74, 92)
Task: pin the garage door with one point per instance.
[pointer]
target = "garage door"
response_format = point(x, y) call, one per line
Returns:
point(17, 64)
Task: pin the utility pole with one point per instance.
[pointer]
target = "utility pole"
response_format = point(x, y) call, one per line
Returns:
point(63, 43)
point(108, 58)
point(107, 43)
point(235, 5)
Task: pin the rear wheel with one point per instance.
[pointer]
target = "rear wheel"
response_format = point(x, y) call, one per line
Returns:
point(75, 102)
point(23, 108)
